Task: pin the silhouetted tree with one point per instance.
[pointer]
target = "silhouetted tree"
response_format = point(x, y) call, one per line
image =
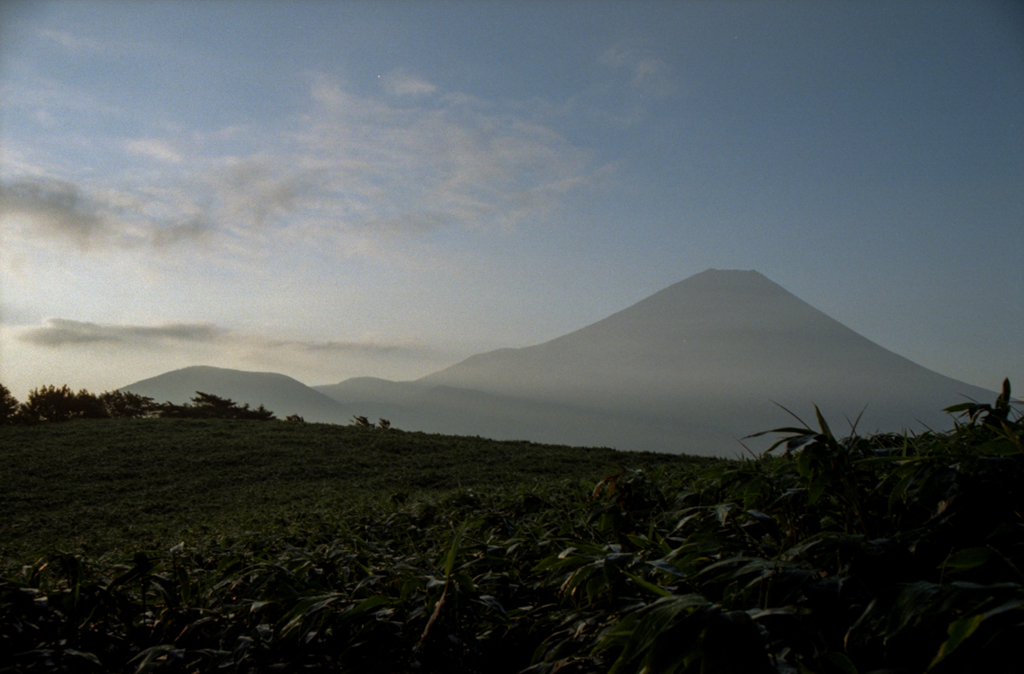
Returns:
point(89, 406)
point(261, 413)
point(49, 403)
point(8, 406)
point(128, 405)
point(209, 406)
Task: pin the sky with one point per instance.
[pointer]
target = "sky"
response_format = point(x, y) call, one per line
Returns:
point(339, 189)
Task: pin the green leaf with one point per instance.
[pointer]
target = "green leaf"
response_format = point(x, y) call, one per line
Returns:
point(968, 558)
point(83, 655)
point(805, 464)
point(959, 631)
point(840, 661)
point(722, 511)
point(666, 566)
point(366, 605)
point(998, 447)
point(825, 430)
point(649, 586)
point(307, 607)
point(644, 626)
point(488, 600)
point(1002, 608)
point(900, 490)
point(453, 553)
point(914, 600)
point(817, 489)
point(149, 655)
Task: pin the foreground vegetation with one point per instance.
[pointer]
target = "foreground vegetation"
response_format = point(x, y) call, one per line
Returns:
point(858, 554)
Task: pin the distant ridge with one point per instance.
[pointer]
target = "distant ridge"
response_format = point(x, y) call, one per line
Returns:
point(693, 368)
point(277, 392)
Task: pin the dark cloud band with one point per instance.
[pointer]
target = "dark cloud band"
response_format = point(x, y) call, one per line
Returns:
point(61, 332)
point(334, 347)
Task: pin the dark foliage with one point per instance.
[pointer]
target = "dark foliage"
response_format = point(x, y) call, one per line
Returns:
point(49, 403)
point(209, 406)
point(838, 555)
point(8, 406)
point(127, 405)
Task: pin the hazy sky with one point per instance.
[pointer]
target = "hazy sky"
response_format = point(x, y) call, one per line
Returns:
point(338, 189)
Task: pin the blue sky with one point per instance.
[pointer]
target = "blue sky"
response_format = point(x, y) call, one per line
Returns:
point(338, 189)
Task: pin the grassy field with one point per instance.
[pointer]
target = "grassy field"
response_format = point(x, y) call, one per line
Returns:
point(178, 545)
point(110, 484)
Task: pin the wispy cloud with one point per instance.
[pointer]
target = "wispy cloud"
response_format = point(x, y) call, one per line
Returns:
point(401, 83)
point(82, 45)
point(455, 161)
point(351, 173)
point(60, 332)
point(647, 75)
point(257, 192)
point(151, 147)
point(73, 43)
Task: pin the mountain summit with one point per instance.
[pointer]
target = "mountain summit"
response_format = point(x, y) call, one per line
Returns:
point(717, 355)
point(718, 334)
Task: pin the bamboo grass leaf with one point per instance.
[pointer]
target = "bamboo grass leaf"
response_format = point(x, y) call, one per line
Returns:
point(453, 551)
point(639, 630)
point(367, 604)
point(490, 601)
point(147, 658)
point(668, 567)
point(648, 585)
point(306, 608)
point(959, 631)
point(963, 560)
point(823, 425)
point(83, 655)
point(840, 662)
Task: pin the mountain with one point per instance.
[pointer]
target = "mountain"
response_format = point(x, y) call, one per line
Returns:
point(691, 368)
point(718, 336)
point(277, 392)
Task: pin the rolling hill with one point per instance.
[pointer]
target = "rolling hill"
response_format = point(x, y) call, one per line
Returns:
point(276, 392)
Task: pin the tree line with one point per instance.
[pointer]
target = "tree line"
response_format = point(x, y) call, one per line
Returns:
point(49, 403)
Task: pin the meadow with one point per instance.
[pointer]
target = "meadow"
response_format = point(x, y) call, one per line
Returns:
point(193, 545)
point(106, 486)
